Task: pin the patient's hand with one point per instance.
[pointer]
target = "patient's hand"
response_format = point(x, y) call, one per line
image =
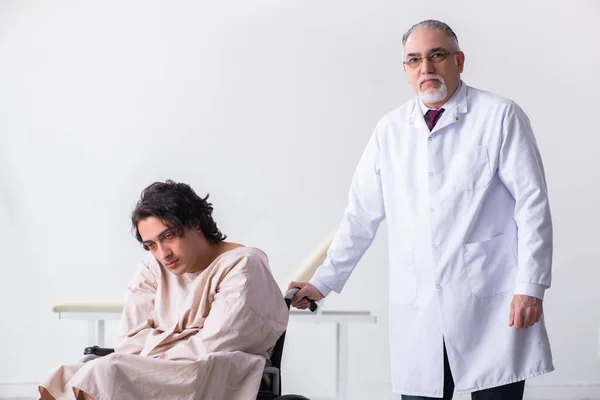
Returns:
point(307, 291)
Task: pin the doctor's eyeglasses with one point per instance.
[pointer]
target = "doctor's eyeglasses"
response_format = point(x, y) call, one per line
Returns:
point(436, 58)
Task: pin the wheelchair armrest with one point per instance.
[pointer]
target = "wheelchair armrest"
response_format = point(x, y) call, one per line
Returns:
point(98, 351)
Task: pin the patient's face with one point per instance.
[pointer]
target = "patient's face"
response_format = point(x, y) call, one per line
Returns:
point(179, 255)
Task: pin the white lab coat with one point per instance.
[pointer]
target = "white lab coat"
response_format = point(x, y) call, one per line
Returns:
point(469, 226)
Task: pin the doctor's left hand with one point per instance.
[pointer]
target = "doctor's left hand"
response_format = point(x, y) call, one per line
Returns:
point(525, 311)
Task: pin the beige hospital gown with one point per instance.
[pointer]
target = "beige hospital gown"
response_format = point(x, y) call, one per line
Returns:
point(198, 336)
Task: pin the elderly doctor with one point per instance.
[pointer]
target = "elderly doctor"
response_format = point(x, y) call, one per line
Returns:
point(457, 173)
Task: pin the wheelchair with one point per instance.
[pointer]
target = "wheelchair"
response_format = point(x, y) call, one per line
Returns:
point(270, 387)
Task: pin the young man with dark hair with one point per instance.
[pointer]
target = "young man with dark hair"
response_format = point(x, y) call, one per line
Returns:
point(200, 318)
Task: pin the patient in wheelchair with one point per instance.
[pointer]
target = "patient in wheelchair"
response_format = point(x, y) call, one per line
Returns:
point(200, 317)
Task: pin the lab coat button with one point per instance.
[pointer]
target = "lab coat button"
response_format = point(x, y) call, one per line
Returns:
point(438, 287)
point(430, 138)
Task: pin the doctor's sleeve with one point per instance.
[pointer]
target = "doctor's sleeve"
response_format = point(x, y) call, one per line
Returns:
point(521, 170)
point(360, 222)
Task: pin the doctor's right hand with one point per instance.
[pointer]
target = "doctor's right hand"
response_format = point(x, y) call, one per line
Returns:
point(307, 291)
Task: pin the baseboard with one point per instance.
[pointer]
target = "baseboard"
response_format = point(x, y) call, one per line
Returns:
point(11, 390)
point(568, 391)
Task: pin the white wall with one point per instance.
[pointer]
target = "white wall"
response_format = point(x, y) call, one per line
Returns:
point(266, 105)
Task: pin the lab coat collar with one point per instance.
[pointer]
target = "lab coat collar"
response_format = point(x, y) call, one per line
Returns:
point(453, 108)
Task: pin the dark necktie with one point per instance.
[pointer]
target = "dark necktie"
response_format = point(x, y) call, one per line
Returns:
point(432, 116)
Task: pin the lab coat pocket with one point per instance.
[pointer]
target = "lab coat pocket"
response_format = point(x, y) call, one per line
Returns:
point(473, 169)
point(491, 266)
point(403, 279)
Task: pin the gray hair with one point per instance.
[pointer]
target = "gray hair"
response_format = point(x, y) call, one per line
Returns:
point(433, 24)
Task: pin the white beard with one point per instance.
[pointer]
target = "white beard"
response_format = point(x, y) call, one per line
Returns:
point(433, 95)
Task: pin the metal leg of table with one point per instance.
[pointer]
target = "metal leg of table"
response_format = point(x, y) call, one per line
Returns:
point(342, 361)
point(96, 332)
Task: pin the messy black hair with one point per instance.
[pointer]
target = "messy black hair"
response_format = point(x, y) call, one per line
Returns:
point(178, 207)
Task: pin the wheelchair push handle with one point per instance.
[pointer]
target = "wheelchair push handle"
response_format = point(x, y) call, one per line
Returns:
point(289, 295)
